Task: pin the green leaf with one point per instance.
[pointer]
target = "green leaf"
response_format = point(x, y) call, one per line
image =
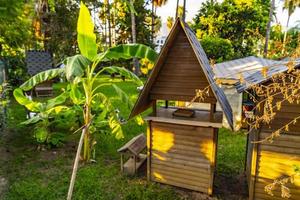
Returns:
point(85, 33)
point(131, 7)
point(23, 100)
point(123, 72)
point(128, 51)
point(57, 109)
point(75, 66)
point(75, 94)
point(32, 120)
point(57, 100)
point(115, 125)
point(41, 134)
point(123, 97)
point(41, 77)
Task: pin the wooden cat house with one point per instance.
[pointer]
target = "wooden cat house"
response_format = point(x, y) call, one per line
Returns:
point(182, 142)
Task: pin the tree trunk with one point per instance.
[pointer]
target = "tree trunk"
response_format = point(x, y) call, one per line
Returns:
point(184, 8)
point(108, 22)
point(272, 5)
point(177, 4)
point(152, 23)
point(133, 32)
point(285, 34)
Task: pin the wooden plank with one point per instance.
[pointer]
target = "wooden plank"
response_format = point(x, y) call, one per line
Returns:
point(185, 122)
point(188, 153)
point(181, 185)
point(185, 181)
point(284, 143)
point(149, 149)
point(199, 174)
point(253, 165)
point(200, 130)
point(175, 91)
point(213, 162)
point(203, 181)
point(182, 162)
point(176, 97)
point(131, 167)
point(291, 151)
point(181, 167)
point(173, 156)
point(279, 156)
point(181, 130)
point(283, 137)
point(180, 84)
point(182, 140)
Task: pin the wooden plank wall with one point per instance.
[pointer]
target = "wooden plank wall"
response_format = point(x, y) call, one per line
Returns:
point(181, 74)
point(276, 159)
point(182, 155)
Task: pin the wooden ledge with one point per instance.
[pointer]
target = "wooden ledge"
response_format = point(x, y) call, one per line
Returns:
point(185, 122)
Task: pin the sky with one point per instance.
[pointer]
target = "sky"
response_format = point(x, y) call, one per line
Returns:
point(194, 5)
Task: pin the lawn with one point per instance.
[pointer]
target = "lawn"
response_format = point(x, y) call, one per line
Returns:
point(26, 173)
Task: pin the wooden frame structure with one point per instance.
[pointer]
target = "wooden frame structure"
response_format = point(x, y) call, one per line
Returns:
point(133, 149)
point(269, 161)
point(182, 150)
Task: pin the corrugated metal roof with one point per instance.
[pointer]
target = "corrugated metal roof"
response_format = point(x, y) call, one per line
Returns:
point(257, 77)
point(244, 66)
point(204, 62)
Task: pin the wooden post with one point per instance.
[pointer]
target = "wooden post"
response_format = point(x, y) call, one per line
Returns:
point(253, 170)
point(212, 112)
point(213, 161)
point(135, 164)
point(154, 108)
point(122, 163)
point(149, 135)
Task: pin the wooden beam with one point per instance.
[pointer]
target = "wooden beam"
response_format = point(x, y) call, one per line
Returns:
point(212, 112)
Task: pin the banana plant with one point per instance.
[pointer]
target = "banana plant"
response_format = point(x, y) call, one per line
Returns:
point(44, 111)
point(82, 72)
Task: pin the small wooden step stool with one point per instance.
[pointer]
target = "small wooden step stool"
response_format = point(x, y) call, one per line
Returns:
point(133, 148)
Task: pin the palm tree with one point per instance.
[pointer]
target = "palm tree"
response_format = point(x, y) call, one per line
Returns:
point(290, 6)
point(272, 6)
point(184, 9)
point(107, 5)
point(155, 4)
point(177, 6)
point(135, 61)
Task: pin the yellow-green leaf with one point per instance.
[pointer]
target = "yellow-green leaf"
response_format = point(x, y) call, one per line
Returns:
point(85, 33)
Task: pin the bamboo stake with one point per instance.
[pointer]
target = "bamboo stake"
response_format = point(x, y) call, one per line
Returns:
point(75, 166)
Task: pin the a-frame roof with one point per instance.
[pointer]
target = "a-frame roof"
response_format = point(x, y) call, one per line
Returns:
point(144, 101)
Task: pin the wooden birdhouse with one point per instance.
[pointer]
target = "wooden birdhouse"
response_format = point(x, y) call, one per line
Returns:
point(182, 140)
point(133, 149)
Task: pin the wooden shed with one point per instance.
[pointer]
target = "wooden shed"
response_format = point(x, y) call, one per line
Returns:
point(182, 142)
point(269, 161)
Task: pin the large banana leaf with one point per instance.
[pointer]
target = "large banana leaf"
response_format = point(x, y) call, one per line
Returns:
point(41, 77)
point(85, 33)
point(51, 103)
point(29, 104)
point(75, 66)
point(32, 120)
point(127, 51)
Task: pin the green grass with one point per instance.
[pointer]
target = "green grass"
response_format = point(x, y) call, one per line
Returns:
point(35, 175)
